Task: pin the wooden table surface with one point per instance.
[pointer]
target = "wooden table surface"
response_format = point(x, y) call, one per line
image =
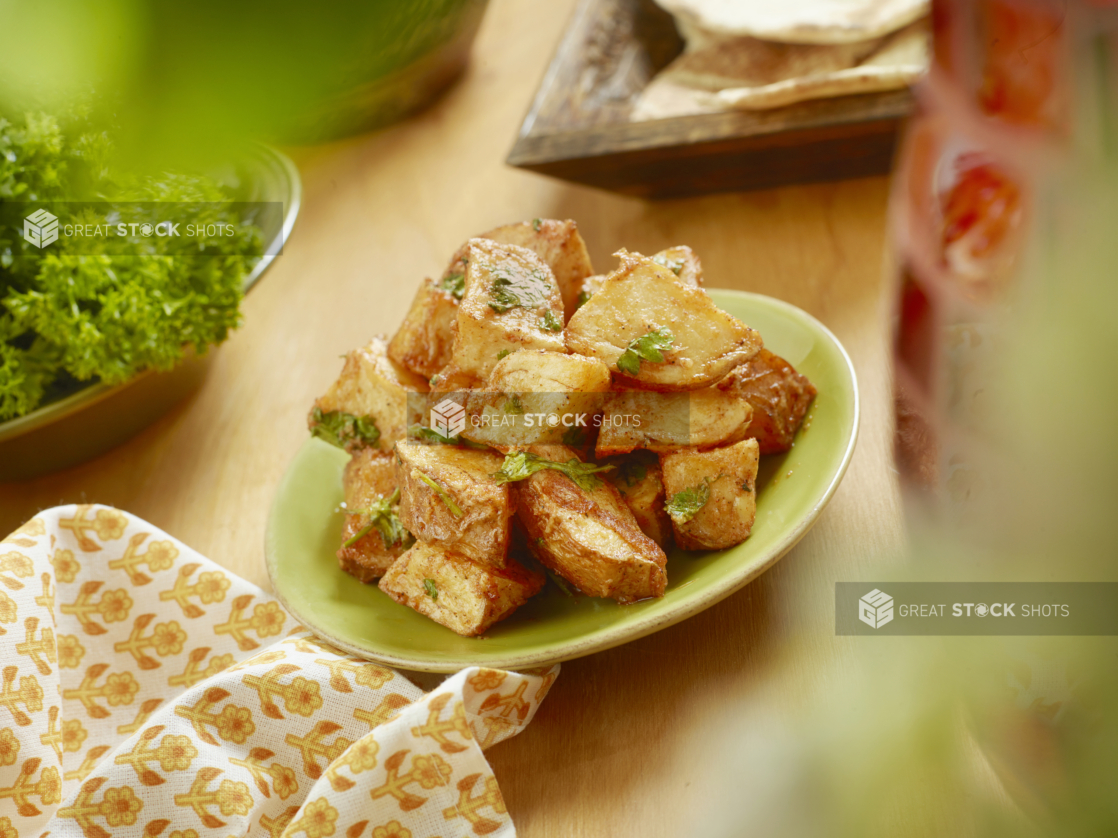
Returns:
point(384, 210)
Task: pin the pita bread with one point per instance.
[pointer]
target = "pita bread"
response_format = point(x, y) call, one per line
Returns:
point(663, 99)
point(797, 21)
point(744, 73)
point(899, 62)
point(749, 62)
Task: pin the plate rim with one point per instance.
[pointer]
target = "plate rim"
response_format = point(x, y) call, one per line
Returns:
point(615, 635)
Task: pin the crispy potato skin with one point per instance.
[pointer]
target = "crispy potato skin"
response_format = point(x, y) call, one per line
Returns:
point(669, 421)
point(727, 518)
point(369, 476)
point(644, 495)
point(642, 296)
point(470, 596)
point(373, 385)
point(683, 262)
point(482, 333)
point(424, 340)
point(481, 533)
point(589, 538)
point(536, 383)
point(780, 397)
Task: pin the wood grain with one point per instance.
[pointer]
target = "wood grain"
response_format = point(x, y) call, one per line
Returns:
point(578, 127)
point(384, 210)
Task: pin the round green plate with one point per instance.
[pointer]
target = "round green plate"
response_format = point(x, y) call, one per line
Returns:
point(304, 528)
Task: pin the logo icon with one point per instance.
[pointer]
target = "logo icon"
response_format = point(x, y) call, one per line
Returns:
point(875, 609)
point(40, 228)
point(448, 418)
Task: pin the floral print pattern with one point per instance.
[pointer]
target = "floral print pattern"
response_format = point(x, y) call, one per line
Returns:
point(148, 691)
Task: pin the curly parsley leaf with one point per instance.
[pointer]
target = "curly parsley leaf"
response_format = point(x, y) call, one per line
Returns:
point(522, 465)
point(106, 308)
point(381, 516)
point(685, 505)
point(344, 429)
point(649, 347)
point(454, 284)
point(429, 587)
point(551, 322)
point(454, 508)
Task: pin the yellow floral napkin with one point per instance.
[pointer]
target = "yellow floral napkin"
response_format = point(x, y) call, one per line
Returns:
point(147, 692)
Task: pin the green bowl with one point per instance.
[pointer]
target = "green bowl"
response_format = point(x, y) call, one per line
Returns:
point(304, 529)
point(87, 423)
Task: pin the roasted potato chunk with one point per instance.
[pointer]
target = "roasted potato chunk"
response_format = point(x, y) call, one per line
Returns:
point(683, 262)
point(712, 495)
point(664, 422)
point(680, 260)
point(780, 397)
point(424, 340)
point(511, 302)
point(369, 482)
point(528, 387)
point(465, 596)
point(642, 298)
point(640, 481)
point(450, 498)
point(372, 388)
point(589, 537)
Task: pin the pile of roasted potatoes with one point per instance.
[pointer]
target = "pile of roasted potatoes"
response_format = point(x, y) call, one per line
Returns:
point(599, 420)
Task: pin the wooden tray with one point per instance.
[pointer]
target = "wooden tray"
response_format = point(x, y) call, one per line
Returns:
point(578, 127)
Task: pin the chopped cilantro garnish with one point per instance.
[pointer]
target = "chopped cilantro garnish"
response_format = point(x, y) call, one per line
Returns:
point(583, 296)
point(522, 465)
point(381, 516)
point(562, 584)
point(513, 405)
point(574, 436)
point(344, 429)
point(504, 353)
point(528, 290)
point(536, 224)
point(673, 265)
point(455, 284)
point(631, 472)
point(551, 322)
point(420, 432)
point(429, 587)
point(649, 347)
point(503, 297)
point(684, 505)
point(454, 508)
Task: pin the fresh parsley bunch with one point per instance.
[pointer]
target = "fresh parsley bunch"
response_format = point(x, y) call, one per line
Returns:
point(122, 305)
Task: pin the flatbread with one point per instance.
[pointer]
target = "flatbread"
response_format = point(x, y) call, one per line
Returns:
point(747, 74)
point(899, 62)
point(797, 21)
point(749, 62)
